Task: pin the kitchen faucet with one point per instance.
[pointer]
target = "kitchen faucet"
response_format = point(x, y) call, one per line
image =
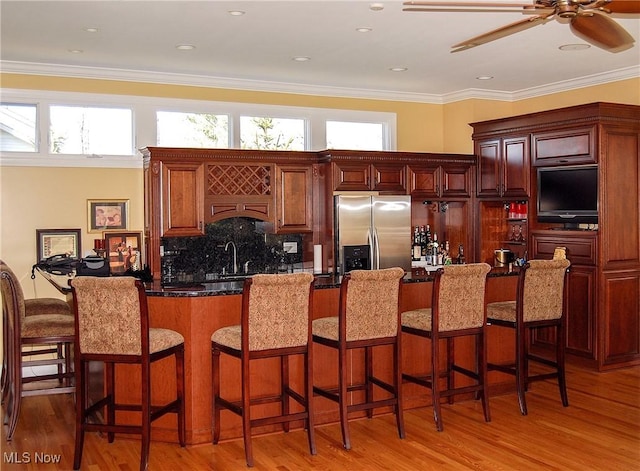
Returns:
point(235, 255)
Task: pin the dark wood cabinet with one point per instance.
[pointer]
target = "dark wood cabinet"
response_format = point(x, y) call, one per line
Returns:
point(182, 187)
point(439, 181)
point(294, 199)
point(581, 249)
point(604, 281)
point(367, 176)
point(565, 147)
point(503, 167)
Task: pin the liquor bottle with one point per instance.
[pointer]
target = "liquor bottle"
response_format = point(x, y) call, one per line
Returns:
point(416, 248)
point(446, 256)
point(461, 260)
point(428, 235)
point(423, 241)
point(435, 250)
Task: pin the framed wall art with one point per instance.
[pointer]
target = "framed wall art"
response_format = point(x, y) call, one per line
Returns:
point(122, 250)
point(107, 215)
point(50, 242)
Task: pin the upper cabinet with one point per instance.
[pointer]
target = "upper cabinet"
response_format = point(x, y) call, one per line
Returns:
point(367, 176)
point(182, 199)
point(570, 146)
point(294, 198)
point(503, 167)
point(439, 180)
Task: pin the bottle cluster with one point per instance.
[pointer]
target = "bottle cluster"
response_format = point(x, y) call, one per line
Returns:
point(426, 248)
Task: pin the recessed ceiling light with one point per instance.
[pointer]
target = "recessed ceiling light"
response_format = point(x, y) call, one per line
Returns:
point(398, 69)
point(76, 51)
point(185, 47)
point(301, 58)
point(574, 47)
point(484, 77)
point(91, 30)
point(236, 12)
point(364, 30)
point(376, 6)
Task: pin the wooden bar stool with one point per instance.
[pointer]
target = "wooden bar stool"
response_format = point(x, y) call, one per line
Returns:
point(112, 326)
point(368, 317)
point(275, 322)
point(541, 301)
point(43, 323)
point(457, 310)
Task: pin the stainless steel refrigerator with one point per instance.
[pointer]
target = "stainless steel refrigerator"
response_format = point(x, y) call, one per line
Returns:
point(382, 223)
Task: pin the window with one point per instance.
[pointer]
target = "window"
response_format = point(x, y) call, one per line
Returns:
point(354, 136)
point(177, 129)
point(271, 133)
point(87, 131)
point(106, 130)
point(18, 127)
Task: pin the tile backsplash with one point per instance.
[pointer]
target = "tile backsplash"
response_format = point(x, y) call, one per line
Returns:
point(199, 259)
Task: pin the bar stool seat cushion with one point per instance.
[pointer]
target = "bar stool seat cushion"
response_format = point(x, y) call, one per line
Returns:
point(37, 306)
point(228, 336)
point(47, 325)
point(326, 327)
point(503, 311)
point(163, 339)
point(417, 319)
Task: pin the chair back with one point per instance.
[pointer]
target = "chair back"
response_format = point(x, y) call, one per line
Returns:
point(111, 315)
point(277, 310)
point(370, 303)
point(541, 289)
point(12, 296)
point(458, 296)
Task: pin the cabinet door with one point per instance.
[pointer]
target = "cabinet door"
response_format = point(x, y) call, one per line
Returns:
point(515, 167)
point(182, 199)
point(351, 176)
point(294, 199)
point(456, 181)
point(567, 146)
point(424, 180)
point(389, 177)
point(581, 315)
point(489, 153)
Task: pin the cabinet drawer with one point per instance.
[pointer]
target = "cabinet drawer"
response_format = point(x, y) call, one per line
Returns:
point(581, 249)
point(569, 146)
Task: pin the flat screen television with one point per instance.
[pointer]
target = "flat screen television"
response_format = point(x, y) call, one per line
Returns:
point(568, 195)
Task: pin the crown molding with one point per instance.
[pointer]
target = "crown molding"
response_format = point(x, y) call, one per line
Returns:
point(30, 68)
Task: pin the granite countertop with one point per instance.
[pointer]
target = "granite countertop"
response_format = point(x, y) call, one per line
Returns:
point(230, 286)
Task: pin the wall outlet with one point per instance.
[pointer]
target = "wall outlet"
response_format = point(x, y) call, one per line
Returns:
point(290, 247)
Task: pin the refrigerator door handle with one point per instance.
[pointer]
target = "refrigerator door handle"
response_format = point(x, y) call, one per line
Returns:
point(371, 242)
point(376, 244)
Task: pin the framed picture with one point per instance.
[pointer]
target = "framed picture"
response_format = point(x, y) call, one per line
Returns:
point(50, 242)
point(122, 248)
point(108, 215)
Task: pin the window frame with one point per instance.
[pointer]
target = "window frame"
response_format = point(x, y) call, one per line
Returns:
point(144, 123)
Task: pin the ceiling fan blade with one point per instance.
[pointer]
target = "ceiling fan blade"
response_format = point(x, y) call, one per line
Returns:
point(623, 6)
point(467, 4)
point(469, 7)
point(601, 31)
point(501, 32)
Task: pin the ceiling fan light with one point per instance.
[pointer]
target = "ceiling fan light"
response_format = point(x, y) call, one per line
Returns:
point(484, 77)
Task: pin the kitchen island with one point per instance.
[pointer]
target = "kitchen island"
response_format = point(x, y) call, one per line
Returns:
point(196, 311)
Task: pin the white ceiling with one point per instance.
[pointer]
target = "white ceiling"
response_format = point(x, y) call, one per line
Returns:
point(137, 40)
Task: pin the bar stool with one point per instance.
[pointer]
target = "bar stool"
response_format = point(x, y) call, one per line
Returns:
point(368, 317)
point(457, 310)
point(48, 324)
point(275, 322)
point(112, 326)
point(541, 301)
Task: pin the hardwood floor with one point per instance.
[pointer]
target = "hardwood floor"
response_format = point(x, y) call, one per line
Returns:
point(600, 430)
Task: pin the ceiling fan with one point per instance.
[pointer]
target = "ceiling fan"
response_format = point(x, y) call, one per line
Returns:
point(588, 19)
